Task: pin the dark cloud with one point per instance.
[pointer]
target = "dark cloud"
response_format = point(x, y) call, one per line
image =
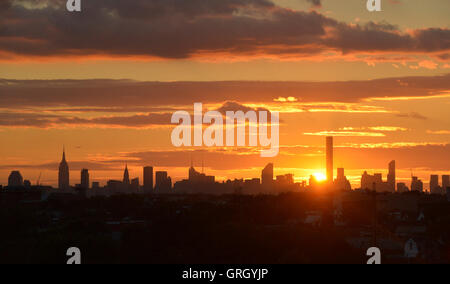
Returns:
point(186, 28)
point(315, 3)
point(37, 120)
point(132, 95)
point(235, 106)
point(46, 121)
point(444, 57)
point(433, 39)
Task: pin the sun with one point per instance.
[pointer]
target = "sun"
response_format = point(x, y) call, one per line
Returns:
point(320, 176)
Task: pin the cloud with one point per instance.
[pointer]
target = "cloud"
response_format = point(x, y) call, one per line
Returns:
point(178, 29)
point(284, 100)
point(413, 115)
point(234, 107)
point(375, 128)
point(388, 128)
point(126, 94)
point(346, 134)
point(51, 121)
point(82, 103)
point(439, 132)
point(427, 64)
point(315, 3)
point(148, 120)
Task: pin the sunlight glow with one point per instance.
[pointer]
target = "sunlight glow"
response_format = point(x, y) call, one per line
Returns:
point(320, 176)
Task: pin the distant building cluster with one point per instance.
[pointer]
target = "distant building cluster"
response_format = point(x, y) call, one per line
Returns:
point(160, 182)
point(375, 182)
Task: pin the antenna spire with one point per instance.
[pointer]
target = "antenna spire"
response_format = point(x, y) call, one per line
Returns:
point(64, 152)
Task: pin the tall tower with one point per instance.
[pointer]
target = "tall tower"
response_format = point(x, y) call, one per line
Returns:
point(434, 184)
point(267, 175)
point(391, 178)
point(126, 176)
point(63, 176)
point(148, 179)
point(329, 155)
point(85, 179)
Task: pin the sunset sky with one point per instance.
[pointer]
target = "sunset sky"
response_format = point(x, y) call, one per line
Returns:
point(105, 82)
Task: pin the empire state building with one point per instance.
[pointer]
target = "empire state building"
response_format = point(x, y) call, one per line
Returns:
point(63, 177)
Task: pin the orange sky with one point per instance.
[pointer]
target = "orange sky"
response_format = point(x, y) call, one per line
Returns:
point(376, 81)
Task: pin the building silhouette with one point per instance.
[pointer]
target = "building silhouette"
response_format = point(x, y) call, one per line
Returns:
point(402, 188)
point(341, 182)
point(287, 179)
point(391, 178)
point(284, 183)
point(375, 182)
point(115, 186)
point(200, 178)
point(201, 183)
point(148, 179)
point(416, 184)
point(15, 179)
point(196, 183)
point(84, 179)
point(63, 174)
point(445, 182)
point(371, 182)
point(27, 184)
point(163, 183)
point(126, 176)
point(329, 158)
point(434, 184)
point(135, 184)
point(267, 176)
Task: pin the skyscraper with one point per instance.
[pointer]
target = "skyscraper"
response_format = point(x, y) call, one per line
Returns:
point(148, 179)
point(341, 182)
point(126, 176)
point(15, 179)
point(163, 183)
point(391, 178)
point(84, 179)
point(329, 155)
point(372, 182)
point(63, 176)
point(416, 184)
point(267, 175)
point(434, 184)
point(445, 182)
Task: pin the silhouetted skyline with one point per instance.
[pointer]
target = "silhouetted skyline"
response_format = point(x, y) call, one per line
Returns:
point(201, 183)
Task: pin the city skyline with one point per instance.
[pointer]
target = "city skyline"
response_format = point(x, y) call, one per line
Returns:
point(245, 132)
point(339, 181)
point(378, 82)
